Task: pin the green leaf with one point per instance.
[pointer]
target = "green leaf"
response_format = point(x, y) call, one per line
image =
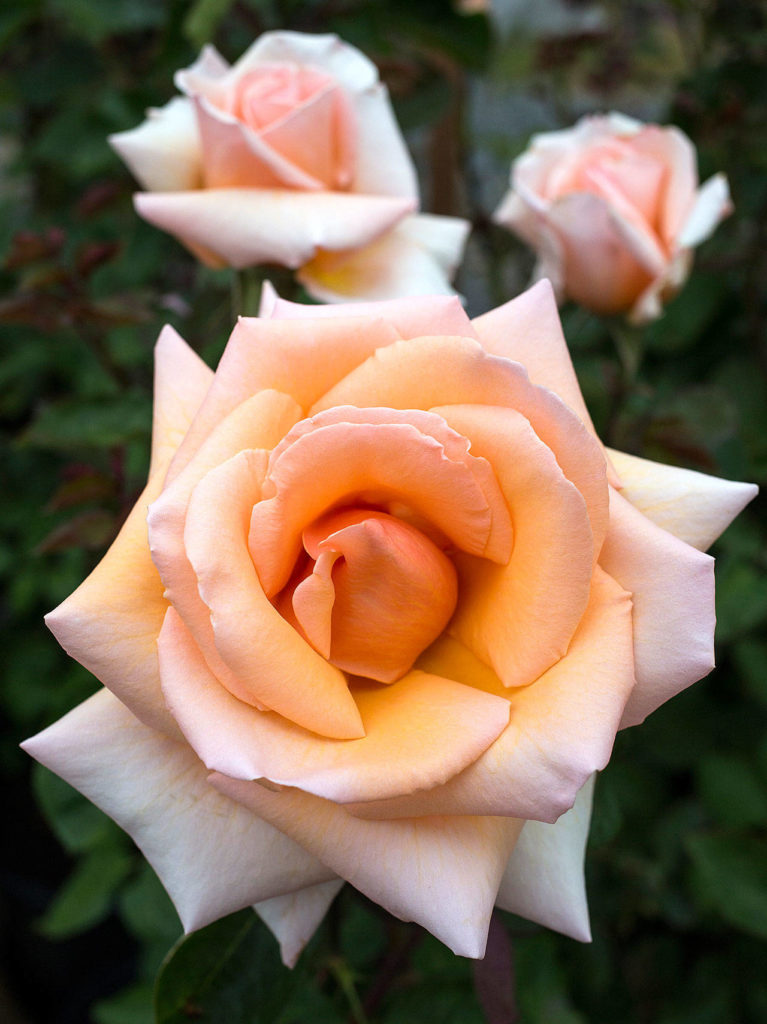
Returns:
point(87, 895)
point(730, 876)
point(203, 19)
point(732, 790)
point(76, 424)
point(227, 973)
point(131, 1006)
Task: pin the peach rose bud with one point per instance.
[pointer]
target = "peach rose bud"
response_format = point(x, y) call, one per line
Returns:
point(292, 155)
point(378, 616)
point(613, 210)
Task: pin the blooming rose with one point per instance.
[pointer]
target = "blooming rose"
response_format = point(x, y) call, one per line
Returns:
point(391, 602)
point(613, 209)
point(292, 156)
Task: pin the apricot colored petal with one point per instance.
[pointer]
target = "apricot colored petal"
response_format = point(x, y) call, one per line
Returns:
point(301, 359)
point(712, 203)
point(212, 855)
point(440, 872)
point(673, 148)
point(163, 152)
point(402, 377)
point(384, 166)
point(417, 257)
point(379, 456)
point(418, 733)
point(561, 730)
point(110, 623)
point(411, 317)
point(248, 226)
point(271, 664)
point(528, 330)
point(672, 585)
point(694, 507)
point(544, 880)
point(181, 382)
point(258, 421)
point(294, 918)
point(507, 614)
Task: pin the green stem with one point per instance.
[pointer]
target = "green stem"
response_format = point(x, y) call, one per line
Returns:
point(246, 291)
point(343, 975)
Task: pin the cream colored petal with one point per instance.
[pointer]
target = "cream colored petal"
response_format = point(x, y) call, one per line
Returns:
point(544, 880)
point(712, 204)
point(443, 873)
point(212, 855)
point(163, 152)
point(295, 917)
point(694, 506)
point(181, 382)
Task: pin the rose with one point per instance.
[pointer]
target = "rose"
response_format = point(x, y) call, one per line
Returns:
point(385, 619)
point(292, 156)
point(613, 209)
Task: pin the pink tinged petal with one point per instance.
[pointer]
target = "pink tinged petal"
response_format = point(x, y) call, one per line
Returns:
point(562, 726)
point(402, 377)
point(693, 506)
point(506, 614)
point(244, 227)
point(410, 318)
point(418, 733)
point(417, 257)
point(164, 151)
point(384, 166)
point(671, 147)
point(712, 204)
point(323, 52)
point(181, 382)
point(200, 77)
point(299, 359)
point(393, 592)
point(261, 421)
point(110, 623)
point(268, 662)
point(649, 304)
point(443, 873)
point(379, 457)
point(544, 880)
point(673, 590)
point(235, 156)
point(294, 918)
point(212, 855)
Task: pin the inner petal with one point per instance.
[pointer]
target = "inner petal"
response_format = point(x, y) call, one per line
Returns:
point(380, 591)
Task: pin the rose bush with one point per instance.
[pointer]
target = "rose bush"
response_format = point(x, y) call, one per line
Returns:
point(292, 156)
point(388, 609)
point(613, 210)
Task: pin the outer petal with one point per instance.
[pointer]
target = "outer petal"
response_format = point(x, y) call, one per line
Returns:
point(712, 204)
point(543, 880)
point(673, 148)
point(110, 623)
point(673, 589)
point(417, 257)
point(294, 918)
point(693, 506)
point(384, 166)
point(418, 733)
point(442, 873)
point(212, 855)
point(164, 151)
point(244, 227)
point(562, 726)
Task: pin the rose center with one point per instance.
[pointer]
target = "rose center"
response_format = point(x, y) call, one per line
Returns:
point(268, 94)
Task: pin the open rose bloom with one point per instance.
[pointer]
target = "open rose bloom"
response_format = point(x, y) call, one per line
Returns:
point(613, 210)
point(377, 618)
point(292, 156)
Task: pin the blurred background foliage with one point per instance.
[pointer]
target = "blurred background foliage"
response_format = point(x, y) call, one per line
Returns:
point(677, 861)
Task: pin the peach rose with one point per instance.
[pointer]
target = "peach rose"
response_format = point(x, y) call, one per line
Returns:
point(613, 209)
point(292, 156)
point(383, 621)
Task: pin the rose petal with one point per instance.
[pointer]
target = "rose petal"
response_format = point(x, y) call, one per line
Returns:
point(384, 166)
point(269, 663)
point(207, 70)
point(294, 918)
point(562, 726)
point(693, 506)
point(418, 733)
point(543, 880)
point(671, 147)
point(110, 623)
point(325, 52)
point(520, 617)
point(442, 873)
point(212, 856)
point(244, 226)
point(418, 256)
point(163, 152)
point(712, 204)
point(673, 590)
